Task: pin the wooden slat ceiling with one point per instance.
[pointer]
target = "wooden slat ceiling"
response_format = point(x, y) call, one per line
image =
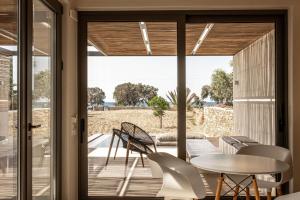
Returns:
point(125, 38)
point(8, 26)
point(226, 39)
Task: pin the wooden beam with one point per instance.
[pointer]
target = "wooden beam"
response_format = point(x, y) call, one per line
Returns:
point(90, 42)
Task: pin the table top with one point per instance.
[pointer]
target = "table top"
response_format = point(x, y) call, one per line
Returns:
point(239, 164)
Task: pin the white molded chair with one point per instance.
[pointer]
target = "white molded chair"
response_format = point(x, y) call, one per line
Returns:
point(274, 152)
point(294, 196)
point(180, 179)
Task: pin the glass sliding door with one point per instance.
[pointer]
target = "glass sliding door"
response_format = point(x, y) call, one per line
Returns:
point(27, 156)
point(226, 88)
point(43, 65)
point(131, 78)
point(8, 99)
point(231, 81)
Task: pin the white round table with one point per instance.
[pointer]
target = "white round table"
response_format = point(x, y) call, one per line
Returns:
point(239, 165)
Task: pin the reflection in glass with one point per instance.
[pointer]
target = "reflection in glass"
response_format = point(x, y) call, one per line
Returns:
point(8, 99)
point(42, 100)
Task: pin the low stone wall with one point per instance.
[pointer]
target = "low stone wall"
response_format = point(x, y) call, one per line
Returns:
point(211, 122)
point(218, 121)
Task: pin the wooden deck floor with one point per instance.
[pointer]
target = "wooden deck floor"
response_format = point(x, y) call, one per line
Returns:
point(133, 180)
point(117, 180)
point(40, 182)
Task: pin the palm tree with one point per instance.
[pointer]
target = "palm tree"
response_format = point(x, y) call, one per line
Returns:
point(190, 98)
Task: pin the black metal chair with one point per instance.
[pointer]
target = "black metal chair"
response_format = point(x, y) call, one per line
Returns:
point(138, 133)
point(130, 143)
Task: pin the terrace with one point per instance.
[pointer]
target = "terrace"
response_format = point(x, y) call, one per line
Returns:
point(125, 39)
point(55, 140)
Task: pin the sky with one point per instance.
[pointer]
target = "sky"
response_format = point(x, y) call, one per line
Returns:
point(106, 72)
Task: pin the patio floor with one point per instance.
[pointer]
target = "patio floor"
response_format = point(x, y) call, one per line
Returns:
point(40, 182)
point(116, 179)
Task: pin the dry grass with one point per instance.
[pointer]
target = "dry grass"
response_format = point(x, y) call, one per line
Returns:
point(104, 121)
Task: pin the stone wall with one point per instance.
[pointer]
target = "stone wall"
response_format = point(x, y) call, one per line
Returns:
point(218, 121)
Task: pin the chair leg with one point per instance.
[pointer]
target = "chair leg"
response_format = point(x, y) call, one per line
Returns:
point(142, 159)
point(117, 148)
point(236, 192)
point(155, 148)
point(111, 144)
point(127, 153)
point(269, 195)
point(278, 191)
point(219, 187)
point(255, 187)
point(247, 193)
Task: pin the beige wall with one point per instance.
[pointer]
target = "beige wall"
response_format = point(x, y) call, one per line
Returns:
point(70, 56)
point(69, 106)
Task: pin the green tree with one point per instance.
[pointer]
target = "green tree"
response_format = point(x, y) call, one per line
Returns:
point(42, 84)
point(95, 96)
point(221, 88)
point(13, 93)
point(159, 105)
point(205, 91)
point(198, 102)
point(190, 98)
point(129, 94)
point(229, 93)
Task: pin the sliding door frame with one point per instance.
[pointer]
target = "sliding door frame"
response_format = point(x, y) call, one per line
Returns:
point(25, 42)
point(83, 19)
point(279, 17)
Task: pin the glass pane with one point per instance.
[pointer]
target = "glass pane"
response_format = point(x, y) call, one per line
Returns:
point(231, 73)
point(8, 99)
point(42, 100)
point(208, 65)
point(132, 77)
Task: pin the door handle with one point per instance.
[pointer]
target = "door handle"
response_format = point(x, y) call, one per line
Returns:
point(31, 126)
point(82, 123)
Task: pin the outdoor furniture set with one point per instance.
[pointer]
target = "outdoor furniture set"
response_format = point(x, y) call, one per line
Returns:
point(180, 180)
point(133, 138)
point(241, 168)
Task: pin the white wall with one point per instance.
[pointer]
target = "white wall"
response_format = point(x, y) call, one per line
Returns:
point(69, 106)
point(70, 57)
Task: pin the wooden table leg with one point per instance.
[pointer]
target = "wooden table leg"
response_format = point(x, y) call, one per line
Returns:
point(111, 144)
point(219, 187)
point(236, 192)
point(247, 193)
point(255, 187)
